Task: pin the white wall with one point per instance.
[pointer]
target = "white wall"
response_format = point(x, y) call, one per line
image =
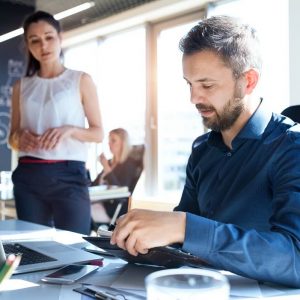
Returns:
point(294, 51)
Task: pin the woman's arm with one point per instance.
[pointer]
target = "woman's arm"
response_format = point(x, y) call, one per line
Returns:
point(13, 138)
point(20, 139)
point(92, 111)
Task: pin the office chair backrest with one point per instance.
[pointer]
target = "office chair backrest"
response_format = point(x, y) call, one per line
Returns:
point(137, 154)
point(292, 112)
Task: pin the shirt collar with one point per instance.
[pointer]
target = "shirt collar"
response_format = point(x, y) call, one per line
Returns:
point(253, 129)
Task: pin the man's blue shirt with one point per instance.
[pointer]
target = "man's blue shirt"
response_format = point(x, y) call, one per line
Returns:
point(243, 205)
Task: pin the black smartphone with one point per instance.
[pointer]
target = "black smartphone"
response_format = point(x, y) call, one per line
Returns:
point(69, 274)
point(96, 250)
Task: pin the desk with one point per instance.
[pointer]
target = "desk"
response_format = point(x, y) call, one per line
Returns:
point(29, 286)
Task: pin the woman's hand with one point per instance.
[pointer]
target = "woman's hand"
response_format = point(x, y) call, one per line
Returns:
point(28, 141)
point(140, 230)
point(53, 136)
point(105, 164)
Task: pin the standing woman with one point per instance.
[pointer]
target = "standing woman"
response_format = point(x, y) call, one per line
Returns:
point(49, 107)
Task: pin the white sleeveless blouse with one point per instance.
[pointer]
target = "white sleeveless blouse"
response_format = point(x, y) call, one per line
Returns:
point(53, 102)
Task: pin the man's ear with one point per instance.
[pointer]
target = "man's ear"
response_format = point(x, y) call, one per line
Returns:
point(251, 76)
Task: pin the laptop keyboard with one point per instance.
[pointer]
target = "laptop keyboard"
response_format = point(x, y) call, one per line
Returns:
point(29, 256)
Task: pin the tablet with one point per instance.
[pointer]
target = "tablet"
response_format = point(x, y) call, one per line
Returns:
point(169, 257)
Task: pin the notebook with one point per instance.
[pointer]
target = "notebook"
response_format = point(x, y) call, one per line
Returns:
point(167, 256)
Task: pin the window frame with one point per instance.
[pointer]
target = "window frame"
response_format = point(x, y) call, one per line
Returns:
point(152, 34)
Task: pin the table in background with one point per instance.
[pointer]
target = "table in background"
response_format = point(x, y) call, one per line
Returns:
point(105, 192)
point(7, 202)
point(97, 194)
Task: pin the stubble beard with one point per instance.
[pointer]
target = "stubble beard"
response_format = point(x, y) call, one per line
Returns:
point(225, 119)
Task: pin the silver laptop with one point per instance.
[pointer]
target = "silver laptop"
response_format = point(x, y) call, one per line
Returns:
point(42, 255)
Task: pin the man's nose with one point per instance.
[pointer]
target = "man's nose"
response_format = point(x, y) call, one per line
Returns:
point(196, 96)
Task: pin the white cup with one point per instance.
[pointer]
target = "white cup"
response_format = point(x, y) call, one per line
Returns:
point(187, 284)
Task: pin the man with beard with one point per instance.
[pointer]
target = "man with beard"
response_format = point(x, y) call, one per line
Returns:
point(240, 207)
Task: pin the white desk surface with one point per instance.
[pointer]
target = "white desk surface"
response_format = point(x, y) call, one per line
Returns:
point(29, 286)
point(103, 192)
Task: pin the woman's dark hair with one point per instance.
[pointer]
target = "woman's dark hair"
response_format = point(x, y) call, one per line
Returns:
point(237, 44)
point(32, 64)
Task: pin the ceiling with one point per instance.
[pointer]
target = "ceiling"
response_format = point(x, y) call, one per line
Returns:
point(101, 9)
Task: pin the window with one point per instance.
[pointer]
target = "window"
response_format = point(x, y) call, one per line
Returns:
point(178, 121)
point(117, 65)
point(274, 35)
point(122, 82)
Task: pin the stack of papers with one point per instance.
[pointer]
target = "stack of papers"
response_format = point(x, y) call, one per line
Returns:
point(105, 192)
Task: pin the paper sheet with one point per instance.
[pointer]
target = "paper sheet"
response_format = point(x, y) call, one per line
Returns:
point(131, 277)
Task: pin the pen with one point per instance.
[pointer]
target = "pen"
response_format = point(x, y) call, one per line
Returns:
point(111, 226)
point(10, 265)
point(108, 296)
point(100, 294)
point(116, 294)
point(108, 293)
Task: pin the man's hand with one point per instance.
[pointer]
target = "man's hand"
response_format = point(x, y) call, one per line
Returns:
point(140, 230)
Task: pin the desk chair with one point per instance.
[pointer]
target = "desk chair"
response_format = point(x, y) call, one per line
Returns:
point(292, 112)
point(137, 154)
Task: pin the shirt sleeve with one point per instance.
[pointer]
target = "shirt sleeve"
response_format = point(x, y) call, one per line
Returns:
point(272, 255)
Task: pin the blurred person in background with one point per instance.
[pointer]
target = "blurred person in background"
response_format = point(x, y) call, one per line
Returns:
point(120, 170)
